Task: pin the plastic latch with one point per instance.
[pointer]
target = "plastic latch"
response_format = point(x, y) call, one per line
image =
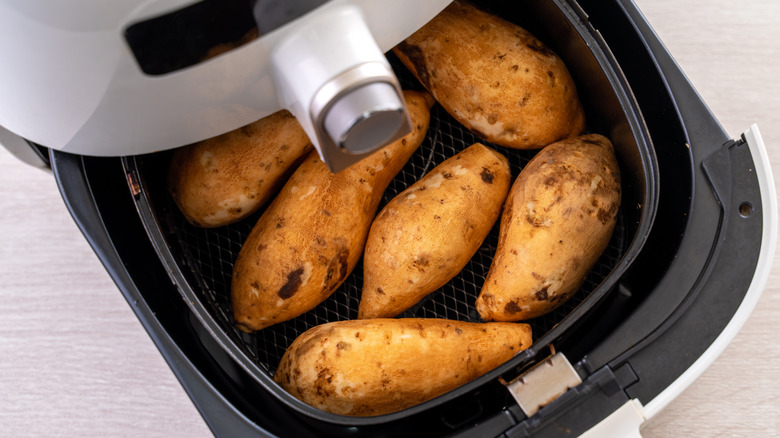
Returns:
point(543, 383)
point(625, 422)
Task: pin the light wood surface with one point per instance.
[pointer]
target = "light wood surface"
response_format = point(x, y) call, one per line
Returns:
point(74, 360)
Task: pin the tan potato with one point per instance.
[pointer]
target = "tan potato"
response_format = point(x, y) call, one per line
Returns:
point(226, 178)
point(427, 234)
point(378, 366)
point(494, 77)
point(557, 220)
point(312, 235)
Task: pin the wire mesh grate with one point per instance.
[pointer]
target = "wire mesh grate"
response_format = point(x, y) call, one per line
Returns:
point(207, 255)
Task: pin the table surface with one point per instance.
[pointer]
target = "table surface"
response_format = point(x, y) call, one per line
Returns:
point(75, 361)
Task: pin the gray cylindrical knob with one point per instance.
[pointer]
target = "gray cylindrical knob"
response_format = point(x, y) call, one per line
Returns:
point(365, 118)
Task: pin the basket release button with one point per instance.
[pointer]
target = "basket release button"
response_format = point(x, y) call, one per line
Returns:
point(543, 383)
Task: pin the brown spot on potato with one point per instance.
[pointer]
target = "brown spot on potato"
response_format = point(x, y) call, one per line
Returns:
point(261, 247)
point(487, 175)
point(322, 384)
point(255, 285)
point(515, 67)
point(511, 307)
point(291, 286)
point(380, 291)
point(541, 294)
point(280, 222)
point(343, 346)
point(421, 261)
point(492, 119)
point(417, 59)
point(337, 270)
point(604, 215)
point(524, 100)
point(458, 330)
point(446, 175)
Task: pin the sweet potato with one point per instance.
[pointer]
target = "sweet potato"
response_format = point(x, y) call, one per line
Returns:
point(313, 233)
point(494, 77)
point(427, 234)
point(378, 366)
point(557, 220)
point(226, 178)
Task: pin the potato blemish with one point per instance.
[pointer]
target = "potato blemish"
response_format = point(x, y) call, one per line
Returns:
point(487, 175)
point(512, 307)
point(337, 269)
point(535, 219)
point(541, 294)
point(417, 59)
point(294, 280)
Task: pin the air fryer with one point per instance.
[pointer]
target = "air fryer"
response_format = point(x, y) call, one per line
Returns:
point(686, 263)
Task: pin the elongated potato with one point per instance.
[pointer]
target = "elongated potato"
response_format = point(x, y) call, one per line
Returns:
point(427, 234)
point(313, 233)
point(494, 77)
point(226, 178)
point(557, 220)
point(378, 366)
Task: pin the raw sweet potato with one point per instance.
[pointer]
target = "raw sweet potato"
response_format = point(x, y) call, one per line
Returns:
point(427, 234)
point(557, 220)
point(226, 178)
point(378, 366)
point(313, 233)
point(494, 77)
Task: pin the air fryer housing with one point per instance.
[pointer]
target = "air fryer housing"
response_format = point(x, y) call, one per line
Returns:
point(703, 263)
point(135, 77)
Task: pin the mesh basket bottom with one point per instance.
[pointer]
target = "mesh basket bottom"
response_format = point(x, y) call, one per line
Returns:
point(206, 257)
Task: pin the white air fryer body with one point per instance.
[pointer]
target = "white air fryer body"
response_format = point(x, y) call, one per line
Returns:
point(71, 82)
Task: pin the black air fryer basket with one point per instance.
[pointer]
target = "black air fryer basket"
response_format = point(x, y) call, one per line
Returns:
point(657, 298)
point(201, 260)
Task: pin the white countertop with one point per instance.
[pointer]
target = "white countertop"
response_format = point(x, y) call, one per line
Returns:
point(75, 361)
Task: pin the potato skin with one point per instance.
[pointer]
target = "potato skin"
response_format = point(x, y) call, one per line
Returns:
point(426, 235)
point(557, 220)
point(312, 235)
point(494, 77)
point(226, 178)
point(378, 366)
